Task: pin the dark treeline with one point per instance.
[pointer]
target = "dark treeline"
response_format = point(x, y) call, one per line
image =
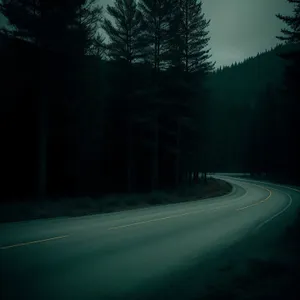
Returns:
point(247, 120)
point(84, 116)
point(142, 110)
point(255, 108)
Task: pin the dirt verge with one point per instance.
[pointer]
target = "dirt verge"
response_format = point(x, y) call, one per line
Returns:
point(59, 207)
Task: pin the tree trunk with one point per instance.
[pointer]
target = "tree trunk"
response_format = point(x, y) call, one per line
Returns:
point(155, 155)
point(177, 167)
point(129, 157)
point(196, 177)
point(42, 136)
point(191, 176)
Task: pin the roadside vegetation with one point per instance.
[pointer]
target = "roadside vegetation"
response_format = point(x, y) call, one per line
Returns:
point(126, 99)
point(80, 206)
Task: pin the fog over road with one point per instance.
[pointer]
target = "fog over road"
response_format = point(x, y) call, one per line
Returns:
point(132, 253)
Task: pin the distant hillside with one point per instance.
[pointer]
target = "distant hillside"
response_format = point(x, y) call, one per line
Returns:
point(238, 97)
point(244, 82)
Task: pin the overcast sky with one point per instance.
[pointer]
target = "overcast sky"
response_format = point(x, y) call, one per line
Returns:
point(240, 28)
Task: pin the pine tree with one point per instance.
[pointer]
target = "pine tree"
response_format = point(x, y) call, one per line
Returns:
point(87, 21)
point(23, 18)
point(291, 35)
point(31, 20)
point(155, 22)
point(190, 36)
point(125, 48)
point(189, 64)
point(55, 27)
point(156, 14)
point(125, 32)
point(60, 25)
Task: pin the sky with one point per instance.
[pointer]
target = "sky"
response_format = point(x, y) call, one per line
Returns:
point(242, 28)
point(239, 28)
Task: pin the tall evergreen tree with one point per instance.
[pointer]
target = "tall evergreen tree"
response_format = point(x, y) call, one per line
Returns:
point(291, 35)
point(189, 36)
point(125, 32)
point(125, 47)
point(55, 27)
point(59, 25)
point(31, 20)
point(87, 21)
point(156, 14)
point(190, 60)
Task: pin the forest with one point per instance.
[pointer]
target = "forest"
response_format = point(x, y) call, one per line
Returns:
point(143, 109)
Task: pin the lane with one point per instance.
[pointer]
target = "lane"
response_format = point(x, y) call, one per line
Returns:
point(26, 231)
point(126, 253)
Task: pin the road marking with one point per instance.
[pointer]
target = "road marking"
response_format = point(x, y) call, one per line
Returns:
point(179, 215)
point(277, 214)
point(233, 202)
point(264, 182)
point(282, 186)
point(284, 209)
point(257, 203)
point(155, 220)
point(34, 242)
point(296, 190)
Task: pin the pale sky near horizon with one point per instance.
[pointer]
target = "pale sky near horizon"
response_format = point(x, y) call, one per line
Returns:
point(239, 28)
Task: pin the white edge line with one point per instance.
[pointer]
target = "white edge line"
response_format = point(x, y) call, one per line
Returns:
point(277, 214)
point(283, 210)
point(33, 242)
point(263, 182)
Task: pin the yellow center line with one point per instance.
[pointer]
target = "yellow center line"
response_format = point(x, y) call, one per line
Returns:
point(34, 242)
point(154, 220)
point(175, 216)
point(144, 222)
point(257, 203)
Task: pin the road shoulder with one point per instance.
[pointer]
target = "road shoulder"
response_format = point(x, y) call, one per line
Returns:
point(82, 206)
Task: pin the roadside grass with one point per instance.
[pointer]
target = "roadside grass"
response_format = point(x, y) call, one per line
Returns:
point(80, 206)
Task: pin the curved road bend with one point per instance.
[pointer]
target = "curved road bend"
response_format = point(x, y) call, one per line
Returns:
point(130, 253)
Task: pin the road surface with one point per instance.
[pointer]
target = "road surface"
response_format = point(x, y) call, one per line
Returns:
point(135, 254)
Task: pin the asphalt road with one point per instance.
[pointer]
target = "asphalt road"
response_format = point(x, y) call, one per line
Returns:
point(133, 254)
